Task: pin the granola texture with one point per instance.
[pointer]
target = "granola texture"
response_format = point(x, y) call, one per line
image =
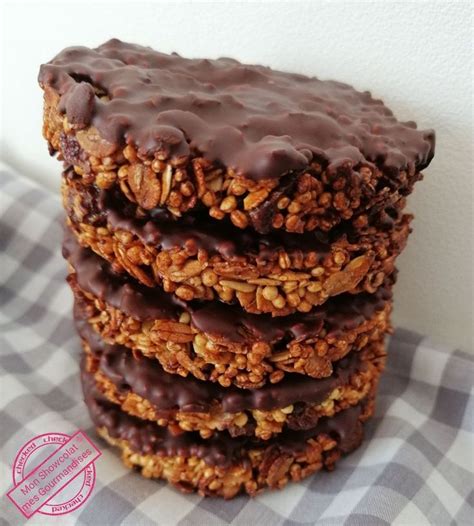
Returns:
point(266, 469)
point(226, 467)
point(264, 275)
point(183, 349)
point(340, 393)
point(231, 235)
point(181, 134)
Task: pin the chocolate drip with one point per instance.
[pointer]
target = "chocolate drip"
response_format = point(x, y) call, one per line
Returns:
point(165, 391)
point(221, 449)
point(338, 314)
point(261, 122)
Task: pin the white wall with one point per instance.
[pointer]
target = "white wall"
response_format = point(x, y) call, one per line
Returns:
point(415, 55)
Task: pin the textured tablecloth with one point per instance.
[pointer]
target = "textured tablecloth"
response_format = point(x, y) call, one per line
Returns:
point(415, 467)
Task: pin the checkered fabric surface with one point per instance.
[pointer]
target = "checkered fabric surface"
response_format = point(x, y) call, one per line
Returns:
point(415, 466)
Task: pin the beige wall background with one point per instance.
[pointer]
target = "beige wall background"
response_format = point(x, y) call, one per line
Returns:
point(416, 56)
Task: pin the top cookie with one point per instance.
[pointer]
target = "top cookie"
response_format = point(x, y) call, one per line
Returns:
point(272, 149)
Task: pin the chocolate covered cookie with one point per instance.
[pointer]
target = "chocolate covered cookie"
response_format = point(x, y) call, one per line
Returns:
point(269, 149)
point(218, 342)
point(141, 387)
point(222, 465)
point(197, 258)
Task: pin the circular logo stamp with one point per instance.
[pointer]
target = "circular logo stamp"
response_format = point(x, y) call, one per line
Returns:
point(53, 474)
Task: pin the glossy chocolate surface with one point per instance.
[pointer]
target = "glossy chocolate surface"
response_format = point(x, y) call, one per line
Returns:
point(260, 122)
point(338, 314)
point(221, 449)
point(146, 378)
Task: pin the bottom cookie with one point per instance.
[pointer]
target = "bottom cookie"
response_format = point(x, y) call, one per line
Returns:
point(225, 466)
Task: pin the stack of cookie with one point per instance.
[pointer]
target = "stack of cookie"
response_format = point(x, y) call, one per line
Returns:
point(231, 239)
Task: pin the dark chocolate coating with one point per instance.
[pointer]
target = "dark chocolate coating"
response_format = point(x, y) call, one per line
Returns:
point(146, 378)
point(338, 314)
point(221, 449)
point(161, 229)
point(261, 122)
point(94, 275)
